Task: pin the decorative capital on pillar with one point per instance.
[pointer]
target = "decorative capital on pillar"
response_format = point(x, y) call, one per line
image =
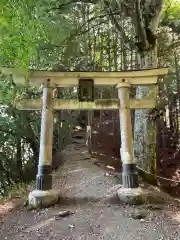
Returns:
point(124, 83)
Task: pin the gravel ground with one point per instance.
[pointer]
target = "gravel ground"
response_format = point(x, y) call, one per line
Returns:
point(95, 212)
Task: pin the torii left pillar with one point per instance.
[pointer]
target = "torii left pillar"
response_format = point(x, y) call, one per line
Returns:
point(43, 195)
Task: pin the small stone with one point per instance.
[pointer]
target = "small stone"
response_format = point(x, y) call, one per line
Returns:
point(142, 220)
point(110, 167)
point(65, 213)
point(113, 190)
point(106, 174)
point(71, 226)
point(138, 215)
point(96, 163)
point(154, 207)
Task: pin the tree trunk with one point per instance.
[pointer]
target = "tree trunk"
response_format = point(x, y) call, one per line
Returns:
point(144, 127)
point(19, 160)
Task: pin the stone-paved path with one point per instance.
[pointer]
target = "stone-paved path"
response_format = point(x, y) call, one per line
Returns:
point(86, 190)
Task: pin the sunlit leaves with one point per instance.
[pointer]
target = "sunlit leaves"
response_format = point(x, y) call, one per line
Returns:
point(20, 32)
point(171, 11)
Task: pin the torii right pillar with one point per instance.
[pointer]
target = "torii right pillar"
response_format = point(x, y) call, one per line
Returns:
point(130, 193)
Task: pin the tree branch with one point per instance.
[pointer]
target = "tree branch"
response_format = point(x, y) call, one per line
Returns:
point(152, 11)
point(140, 28)
point(110, 13)
point(78, 32)
point(120, 29)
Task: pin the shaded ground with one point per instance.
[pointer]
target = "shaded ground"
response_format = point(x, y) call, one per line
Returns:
point(106, 145)
point(88, 191)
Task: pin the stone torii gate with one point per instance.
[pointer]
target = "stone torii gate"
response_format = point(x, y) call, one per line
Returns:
point(44, 195)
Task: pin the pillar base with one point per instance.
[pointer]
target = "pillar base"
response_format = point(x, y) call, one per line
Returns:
point(44, 182)
point(130, 180)
point(130, 176)
point(44, 178)
point(132, 196)
point(40, 199)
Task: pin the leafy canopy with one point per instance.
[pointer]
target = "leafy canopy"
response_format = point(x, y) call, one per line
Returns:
point(23, 27)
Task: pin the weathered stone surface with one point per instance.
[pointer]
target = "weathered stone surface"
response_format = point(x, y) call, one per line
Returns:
point(40, 199)
point(133, 196)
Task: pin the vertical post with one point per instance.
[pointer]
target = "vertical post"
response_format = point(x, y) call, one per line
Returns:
point(130, 191)
point(44, 176)
point(44, 196)
point(89, 130)
point(129, 173)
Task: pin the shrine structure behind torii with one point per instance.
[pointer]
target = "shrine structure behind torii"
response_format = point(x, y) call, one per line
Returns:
point(44, 195)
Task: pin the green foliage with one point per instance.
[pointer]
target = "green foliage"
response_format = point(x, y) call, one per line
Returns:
point(171, 9)
point(18, 139)
point(19, 136)
point(20, 31)
point(26, 28)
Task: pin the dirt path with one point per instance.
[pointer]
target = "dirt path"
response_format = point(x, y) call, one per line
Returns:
point(97, 213)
